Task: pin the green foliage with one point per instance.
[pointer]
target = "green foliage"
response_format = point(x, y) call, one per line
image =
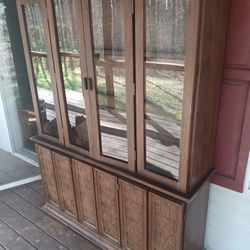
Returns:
point(164, 89)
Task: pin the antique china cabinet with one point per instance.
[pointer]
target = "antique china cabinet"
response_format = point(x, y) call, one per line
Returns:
point(125, 95)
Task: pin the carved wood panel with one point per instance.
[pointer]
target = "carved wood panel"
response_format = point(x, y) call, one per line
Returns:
point(85, 193)
point(107, 205)
point(133, 204)
point(165, 221)
point(48, 174)
point(65, 183)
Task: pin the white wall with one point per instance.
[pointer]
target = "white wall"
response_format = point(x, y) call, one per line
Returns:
point(4, 132)
point(228, 221)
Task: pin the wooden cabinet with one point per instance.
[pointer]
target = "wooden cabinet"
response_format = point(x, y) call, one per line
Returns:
point(116, 213)
point(64, 183)
point(48, 174)
point(165, 219)
point(125, 90)
point(107, 200)
point(99, 65)
point(133, 205)
point(85, 193)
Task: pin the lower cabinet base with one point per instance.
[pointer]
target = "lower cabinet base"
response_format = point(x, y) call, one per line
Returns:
point(116, 213)
point(79, 228)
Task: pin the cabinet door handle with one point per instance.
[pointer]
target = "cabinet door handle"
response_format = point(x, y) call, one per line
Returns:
point(85, 84)
point(90, 84)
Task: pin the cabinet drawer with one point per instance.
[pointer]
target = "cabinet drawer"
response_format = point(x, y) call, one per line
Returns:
point(165, 223)
point(48, 174)
point(133, 204)
point(85, 193)
point(107, 202)
point(65, 183)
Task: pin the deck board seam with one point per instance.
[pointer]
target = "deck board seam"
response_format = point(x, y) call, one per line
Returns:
point(28, 184)
point(45, 231)
point(2, 246)
point(30, 202)
point(9, 226)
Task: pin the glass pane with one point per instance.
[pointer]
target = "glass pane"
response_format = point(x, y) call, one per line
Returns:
point(70, 62)
point(46, 103)
point(35, 27)
point(165, 46)
point(108, 37)
point(15, 88)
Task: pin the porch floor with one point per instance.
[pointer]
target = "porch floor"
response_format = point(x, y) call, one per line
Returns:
point(24, 226)
point(13, 169)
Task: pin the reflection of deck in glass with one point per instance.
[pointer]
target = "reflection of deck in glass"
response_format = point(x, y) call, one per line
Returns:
point(162, 134)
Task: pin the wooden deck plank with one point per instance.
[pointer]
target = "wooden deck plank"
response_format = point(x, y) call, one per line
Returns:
point(9, 239)
point(5, 178)
point(37, 186)
point(40, 219)
point(29, 194)
point(27, 230)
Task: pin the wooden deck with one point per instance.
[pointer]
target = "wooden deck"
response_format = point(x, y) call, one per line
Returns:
point(163, 149)
point(24, 226)
point(13, 169)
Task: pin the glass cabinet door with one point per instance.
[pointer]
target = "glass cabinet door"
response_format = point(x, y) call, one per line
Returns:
point(109, 38)
point(35, 35)
point(160, 85)
point(70, 54)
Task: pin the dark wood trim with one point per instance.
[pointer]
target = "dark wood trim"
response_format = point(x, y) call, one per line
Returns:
point(194, 27)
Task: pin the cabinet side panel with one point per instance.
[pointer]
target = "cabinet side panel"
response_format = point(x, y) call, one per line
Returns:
point(165, 222)
point(65, 183)
point(209, 77)
point(48, 174)
point(133, 203)
point(195, 222)
point(84, 184)
point(107, 205)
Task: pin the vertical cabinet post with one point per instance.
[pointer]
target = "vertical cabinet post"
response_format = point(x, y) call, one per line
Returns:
point(107, 200)
point(85, 194)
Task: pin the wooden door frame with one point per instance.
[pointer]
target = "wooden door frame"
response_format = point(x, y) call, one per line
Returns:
point(30, 67)
point(191, 72)
point(129, 69)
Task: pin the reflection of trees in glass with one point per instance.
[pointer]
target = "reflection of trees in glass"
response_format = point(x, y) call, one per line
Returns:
point(165, 39)
point(37, 41)
point(67, 35)
point(166, 29)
